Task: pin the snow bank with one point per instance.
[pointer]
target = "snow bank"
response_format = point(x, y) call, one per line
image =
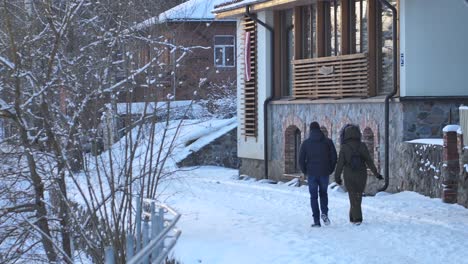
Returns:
point(463, 107)
point(451, 128)
point(428, 141)
point(202, 135)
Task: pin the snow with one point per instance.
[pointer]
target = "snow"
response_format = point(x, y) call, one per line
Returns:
point(226, 220)
point(459, 131)
point(463, 107)
point(5, 106)
point(451, 128)
point(466, 167)
point(7, 62)
point(428, 141)
point(192, 10)
point(205, 135)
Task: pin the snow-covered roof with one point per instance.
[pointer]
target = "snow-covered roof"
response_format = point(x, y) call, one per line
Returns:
point(233, 4)
point(190, 11)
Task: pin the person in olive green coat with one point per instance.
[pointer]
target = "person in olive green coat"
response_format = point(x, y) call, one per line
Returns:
point(353, 158)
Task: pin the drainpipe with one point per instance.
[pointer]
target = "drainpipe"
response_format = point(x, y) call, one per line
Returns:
point(270, 98)
point(391, 94)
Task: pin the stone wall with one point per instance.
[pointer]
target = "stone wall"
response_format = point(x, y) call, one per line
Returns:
point(333, 116)
point(463, 176)
point(220, 152)
point(418, 169)
point(253, 168)
point(425, 118)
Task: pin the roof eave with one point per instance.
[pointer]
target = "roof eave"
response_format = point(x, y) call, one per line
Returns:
point(236, 10)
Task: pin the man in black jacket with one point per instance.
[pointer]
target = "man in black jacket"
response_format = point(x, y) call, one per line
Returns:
point(317, 159)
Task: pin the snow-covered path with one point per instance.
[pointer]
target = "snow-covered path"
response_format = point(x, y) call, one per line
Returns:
point(232, 221)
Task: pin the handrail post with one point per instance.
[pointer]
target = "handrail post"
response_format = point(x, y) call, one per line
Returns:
point(146, 238)
point(138, 226)
point(160, 224)
point(130, 244)
point(154, 229)
point(109, 256)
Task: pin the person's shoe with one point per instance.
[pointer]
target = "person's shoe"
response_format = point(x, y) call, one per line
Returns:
point(357, 223)
point(325, 219)
point(315, 225)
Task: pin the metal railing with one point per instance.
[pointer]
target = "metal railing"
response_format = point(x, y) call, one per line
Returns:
point(154, 239)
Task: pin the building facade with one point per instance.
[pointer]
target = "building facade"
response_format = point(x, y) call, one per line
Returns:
point(192, 53)
point(333, 62)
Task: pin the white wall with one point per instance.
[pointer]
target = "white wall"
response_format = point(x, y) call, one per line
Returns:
point(434, 43)
point(250, 147)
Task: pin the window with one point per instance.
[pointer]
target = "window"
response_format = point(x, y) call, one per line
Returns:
point(224, 51)
point(333, 28)
point(309, 28)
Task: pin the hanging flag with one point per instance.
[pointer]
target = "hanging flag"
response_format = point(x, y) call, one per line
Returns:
point(247, 49)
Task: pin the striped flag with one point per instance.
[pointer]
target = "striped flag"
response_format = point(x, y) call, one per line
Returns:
point(247, 68)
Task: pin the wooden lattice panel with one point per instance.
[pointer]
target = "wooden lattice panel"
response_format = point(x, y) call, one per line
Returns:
point(249, 94)
point(331, 77)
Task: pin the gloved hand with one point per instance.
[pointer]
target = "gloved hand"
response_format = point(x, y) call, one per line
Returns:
point(339, 181)
point(379, 176)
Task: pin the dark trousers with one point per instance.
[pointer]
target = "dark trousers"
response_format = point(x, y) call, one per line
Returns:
point(355, 212)
point(318, 186)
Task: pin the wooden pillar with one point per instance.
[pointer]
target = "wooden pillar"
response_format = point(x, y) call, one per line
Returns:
point(321, 29)
point(372, 22)
point(346, 27)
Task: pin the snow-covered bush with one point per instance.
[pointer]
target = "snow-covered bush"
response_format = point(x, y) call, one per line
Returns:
point(221, 99)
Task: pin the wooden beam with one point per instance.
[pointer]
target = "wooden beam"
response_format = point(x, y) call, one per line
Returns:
point(372, 22)
point(345, 27)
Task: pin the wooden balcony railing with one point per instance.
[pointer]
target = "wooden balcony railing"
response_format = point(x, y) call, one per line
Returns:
point(331, 77)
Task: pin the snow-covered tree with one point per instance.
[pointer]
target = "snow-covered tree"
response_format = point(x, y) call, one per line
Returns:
point(63, 66)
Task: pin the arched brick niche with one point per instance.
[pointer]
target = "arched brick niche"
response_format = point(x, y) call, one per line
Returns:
point(292, 144)
point(368, 139)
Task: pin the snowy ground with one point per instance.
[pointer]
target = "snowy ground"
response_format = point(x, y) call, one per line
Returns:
point(226, 220)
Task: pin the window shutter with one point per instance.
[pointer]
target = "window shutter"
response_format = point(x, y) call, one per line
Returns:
point(250, 91)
